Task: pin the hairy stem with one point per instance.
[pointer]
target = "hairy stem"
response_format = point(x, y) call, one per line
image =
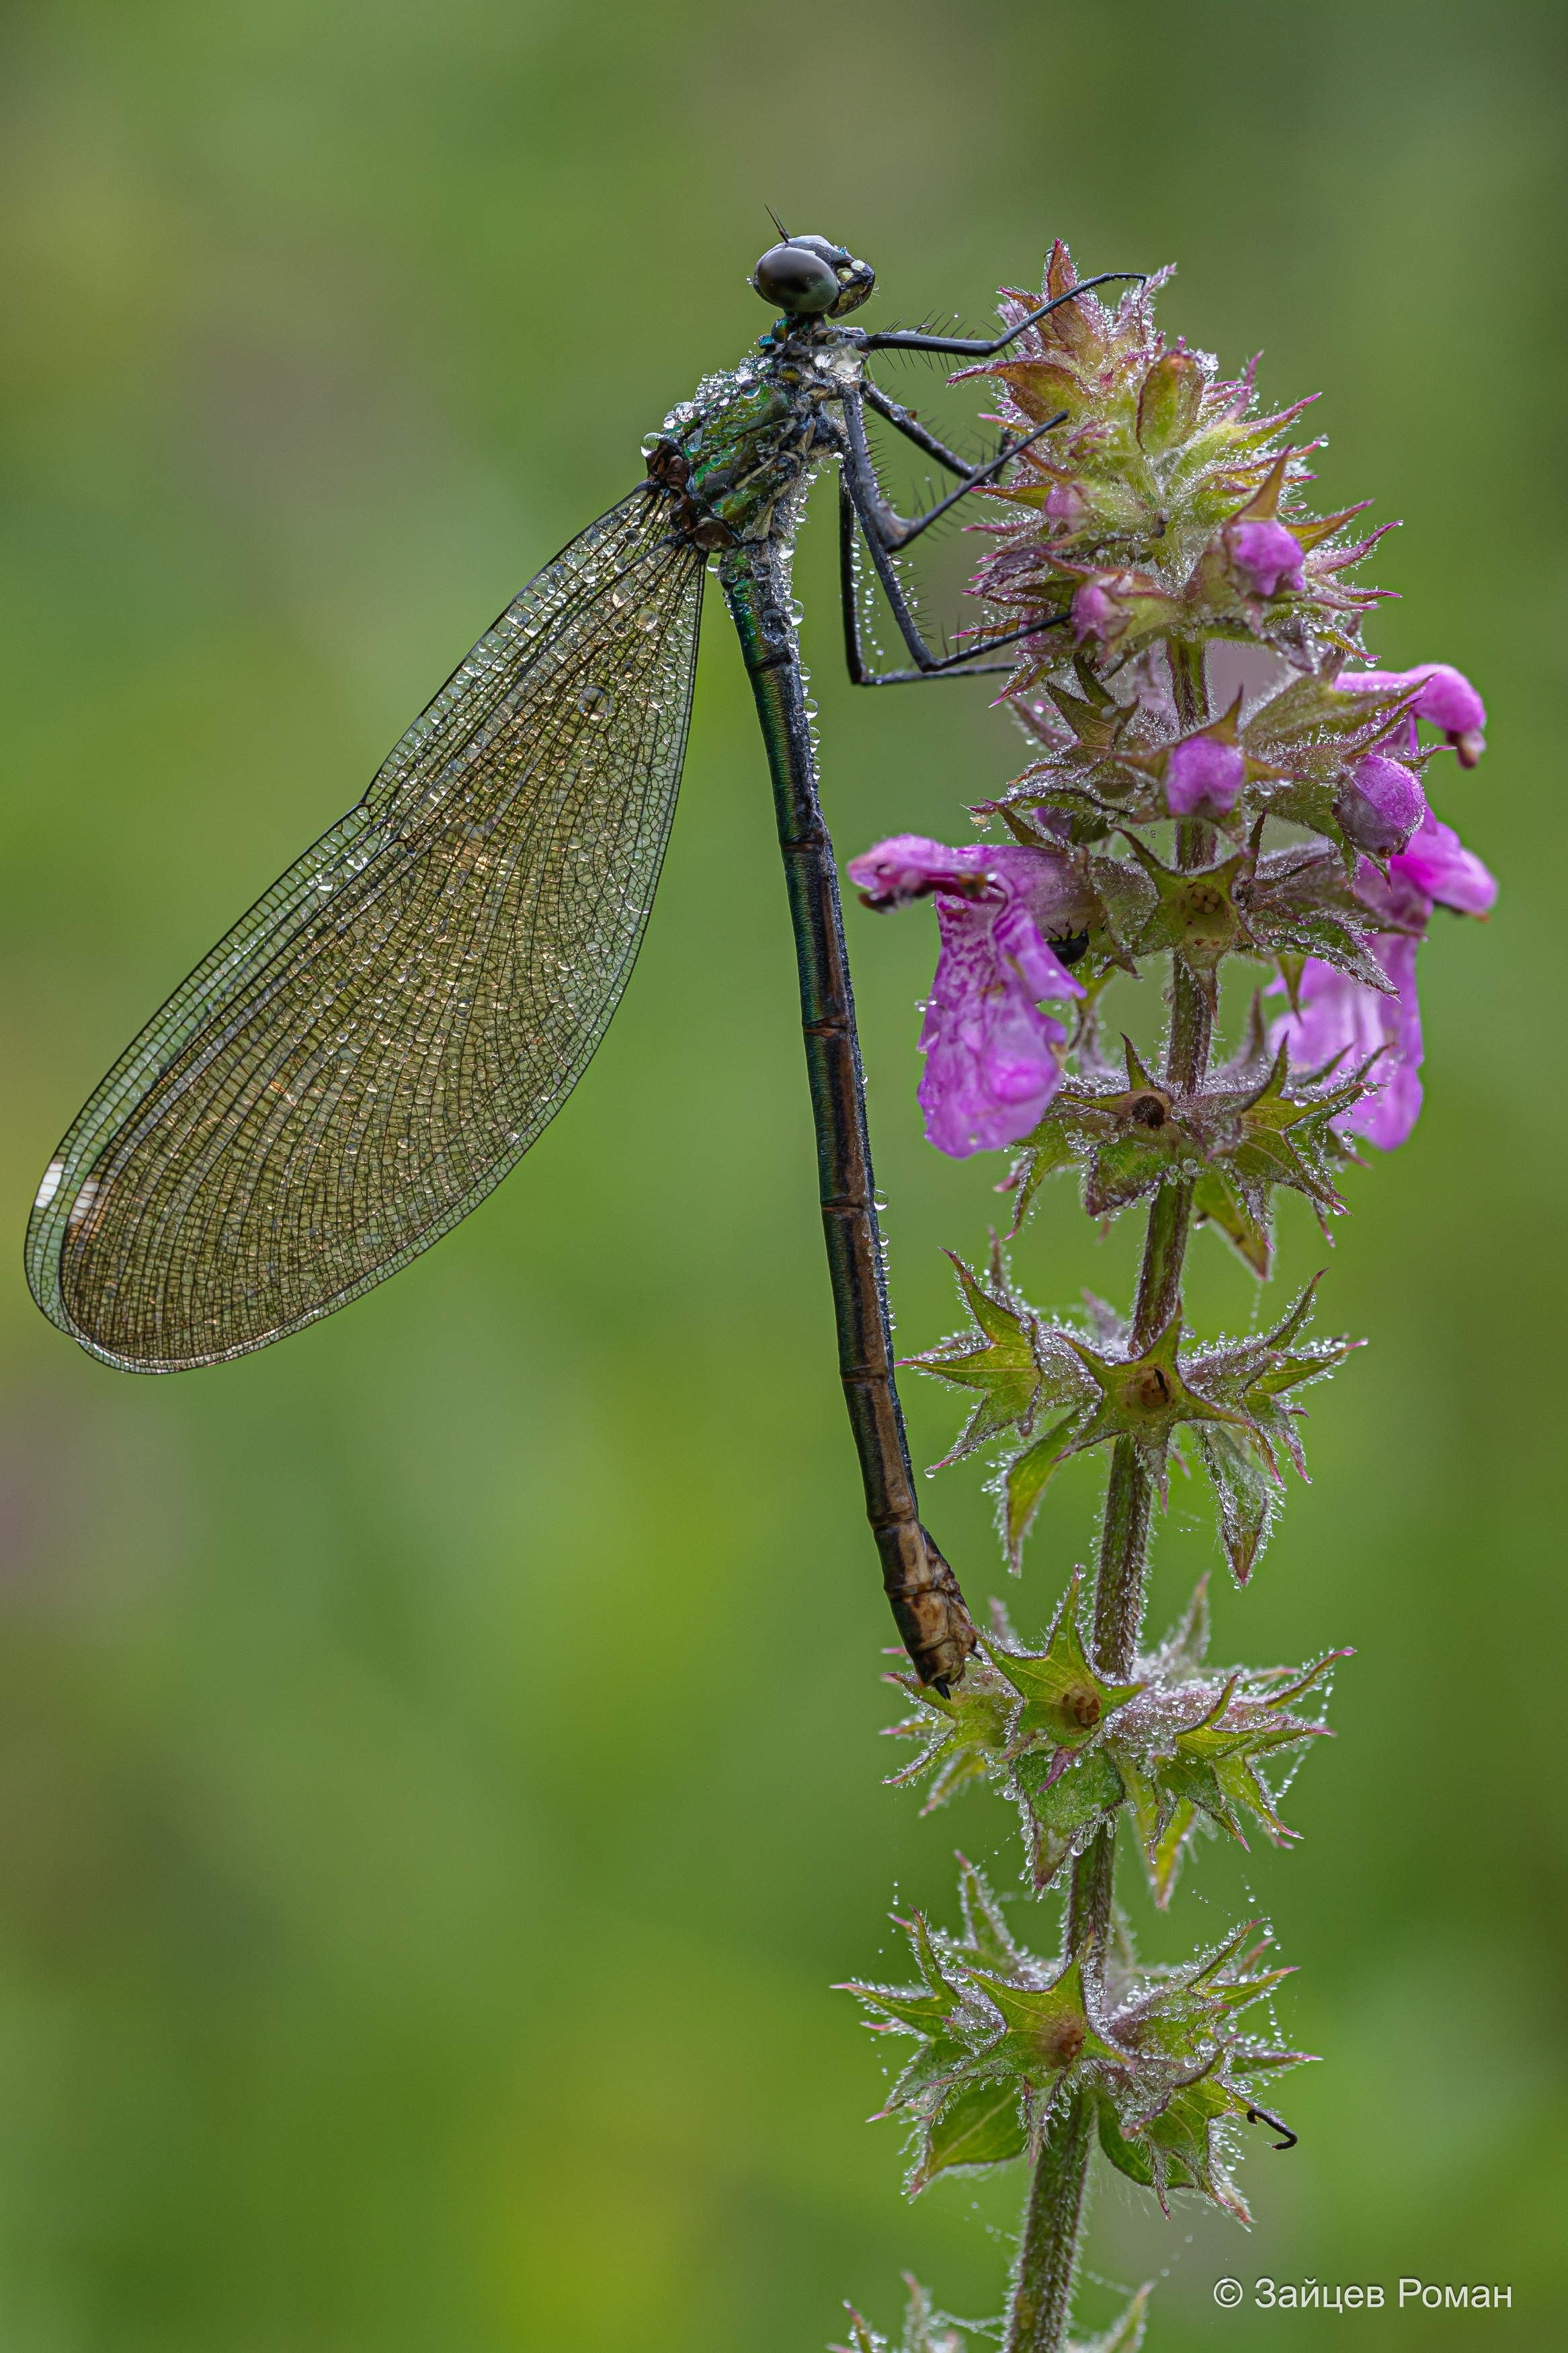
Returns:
point(1089, 1896)
point(1189, 680)
point(1047, 2255)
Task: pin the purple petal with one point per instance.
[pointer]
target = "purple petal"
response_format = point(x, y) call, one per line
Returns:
point(990, 1069)
point(1341, 1016)
point(1447, 697)
point(909, 865)
point(1447, 700)
point(1202, 774)
point(1435, 862)
point(1095, 613)
point(990, 1065)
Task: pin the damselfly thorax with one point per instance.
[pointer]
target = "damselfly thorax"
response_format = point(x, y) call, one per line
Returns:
point(731, 461)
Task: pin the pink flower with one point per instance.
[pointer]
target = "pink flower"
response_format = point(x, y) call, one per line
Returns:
point(1341, 1016)
point(992, 1064)
point(1447, 700)
point(1264, 556)
point(1204, 776)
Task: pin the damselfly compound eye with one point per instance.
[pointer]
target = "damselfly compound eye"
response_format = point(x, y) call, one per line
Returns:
point(798, 282)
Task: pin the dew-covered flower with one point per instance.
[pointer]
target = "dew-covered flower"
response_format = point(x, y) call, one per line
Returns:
point(1447, 700)
point(1340, 1016)
point(1381, 805)
point(1116, 609)
point(1265, 556)
point(992, 1061)
point(1204, 776)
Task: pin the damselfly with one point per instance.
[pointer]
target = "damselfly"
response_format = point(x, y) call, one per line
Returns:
point(370, 1049)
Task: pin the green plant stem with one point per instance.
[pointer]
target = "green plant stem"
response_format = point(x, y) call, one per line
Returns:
point(1048, 2254)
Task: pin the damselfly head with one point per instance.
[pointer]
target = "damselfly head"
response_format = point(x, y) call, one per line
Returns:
point(808, 278)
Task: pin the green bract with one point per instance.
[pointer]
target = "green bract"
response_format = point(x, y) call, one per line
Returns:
point(929, 2331)
point(1223, 1396)
point(1183, 1749)
point(1003, 2039)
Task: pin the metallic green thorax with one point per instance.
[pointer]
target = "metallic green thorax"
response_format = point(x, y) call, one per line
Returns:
point(731, 456)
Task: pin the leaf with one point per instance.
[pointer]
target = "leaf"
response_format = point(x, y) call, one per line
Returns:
point(1125, 2334)
point(926, 2012)
point(1026, 1477)
point(932, 2068)
point(1132, 2158)
point(1165, 1824)
point(1060, 1805)
point(1052, 1146)
point(1184, 1649)
point(966, 1730)
point(1050, 2029)
point(1248, 1492)
point(1003, 1370)
point(982, 2126)
point(1176, 2151)
point(987, 1938)
point(1127, 895)
point(1127, 1168)
point(1215, 1199)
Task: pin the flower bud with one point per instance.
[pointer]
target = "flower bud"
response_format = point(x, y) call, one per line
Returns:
point(1203, 777)
point(1095, 612)
point(1169, 403)
point(1112, 605)
point(1264, 556)
point(1066, 505)
point(1380, 806)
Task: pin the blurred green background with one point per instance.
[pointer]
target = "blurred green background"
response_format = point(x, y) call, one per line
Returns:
point(438, 1771)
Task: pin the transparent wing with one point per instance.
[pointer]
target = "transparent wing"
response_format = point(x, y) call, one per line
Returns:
point(381, 1038)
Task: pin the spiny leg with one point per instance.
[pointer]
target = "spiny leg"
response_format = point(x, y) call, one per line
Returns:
point(860, 495)
point(967, 664)
point(902, 422)
point(975, 347)
point(891, 530)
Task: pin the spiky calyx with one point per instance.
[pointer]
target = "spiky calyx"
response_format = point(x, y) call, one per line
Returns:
point(1164, 509)
point(1183, 1746)
point(1221, 1398)
point(1003, 2037)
